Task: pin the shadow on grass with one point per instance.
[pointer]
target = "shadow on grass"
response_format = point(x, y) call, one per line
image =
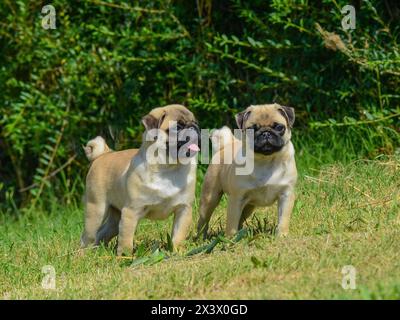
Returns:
point(152, 251)
point(255, 226)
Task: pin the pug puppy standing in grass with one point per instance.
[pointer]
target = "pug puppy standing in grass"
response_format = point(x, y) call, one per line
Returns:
point(272, 179)
point(123, 187)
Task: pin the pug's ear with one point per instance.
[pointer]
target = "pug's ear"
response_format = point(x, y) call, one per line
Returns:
point(150, 122)
point(241, 118)
point(288, 113)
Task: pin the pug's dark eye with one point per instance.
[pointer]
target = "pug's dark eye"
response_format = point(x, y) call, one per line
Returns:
point(279, 127)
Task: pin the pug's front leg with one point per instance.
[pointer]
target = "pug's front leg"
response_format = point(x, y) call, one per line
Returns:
point(235, 208)
point(127, 227)
point(285, 208)
point(182, 222)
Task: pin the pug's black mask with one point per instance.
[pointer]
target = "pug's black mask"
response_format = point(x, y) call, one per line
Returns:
point(268, 140)
point(185, 135)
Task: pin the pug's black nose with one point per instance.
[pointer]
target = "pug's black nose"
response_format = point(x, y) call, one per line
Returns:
point(266, 134)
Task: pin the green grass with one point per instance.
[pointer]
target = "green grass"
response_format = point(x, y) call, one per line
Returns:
point(344, 215)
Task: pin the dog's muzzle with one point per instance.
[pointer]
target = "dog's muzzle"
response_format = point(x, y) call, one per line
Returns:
point(268, 141)
point(186, 141)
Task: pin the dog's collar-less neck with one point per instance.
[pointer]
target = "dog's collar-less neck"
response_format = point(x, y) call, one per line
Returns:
point(276, 155)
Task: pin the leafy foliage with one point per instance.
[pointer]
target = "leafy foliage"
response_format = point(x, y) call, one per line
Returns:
point(108, 63)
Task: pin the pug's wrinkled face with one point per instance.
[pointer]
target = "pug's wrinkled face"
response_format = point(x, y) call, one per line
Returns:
point(271, 123)
point(177, 129)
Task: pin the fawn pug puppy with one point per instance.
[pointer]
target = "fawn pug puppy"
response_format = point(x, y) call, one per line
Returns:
point(273, 177)
point(122, 187)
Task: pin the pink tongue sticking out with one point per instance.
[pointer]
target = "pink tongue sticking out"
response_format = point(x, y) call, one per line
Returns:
point(194, 147)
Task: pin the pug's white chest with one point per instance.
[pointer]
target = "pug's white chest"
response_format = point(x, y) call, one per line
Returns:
point(265, 196)
point(164, 187)
point(265, 186)
point(160, 191)
point(164, 195)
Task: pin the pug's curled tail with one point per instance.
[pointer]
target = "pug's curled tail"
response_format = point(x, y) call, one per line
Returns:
point(221, 137)
point(95, 148)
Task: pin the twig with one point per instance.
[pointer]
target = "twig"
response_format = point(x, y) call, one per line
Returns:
point(77, 251)
point(51, 175)
point(185, 31)
point(333, 42)
point(54, 153)
point(342, 124)
point(357, 189)
point(53, 156)
point(113, 5)
point(378, 83)
point(313, 179)
point(375, 203)
point(118, 257)
point(139, 9)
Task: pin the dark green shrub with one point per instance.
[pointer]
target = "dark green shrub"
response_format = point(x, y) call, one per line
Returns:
point(108, 63)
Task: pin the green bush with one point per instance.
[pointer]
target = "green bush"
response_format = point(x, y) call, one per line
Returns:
point(108, 63)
